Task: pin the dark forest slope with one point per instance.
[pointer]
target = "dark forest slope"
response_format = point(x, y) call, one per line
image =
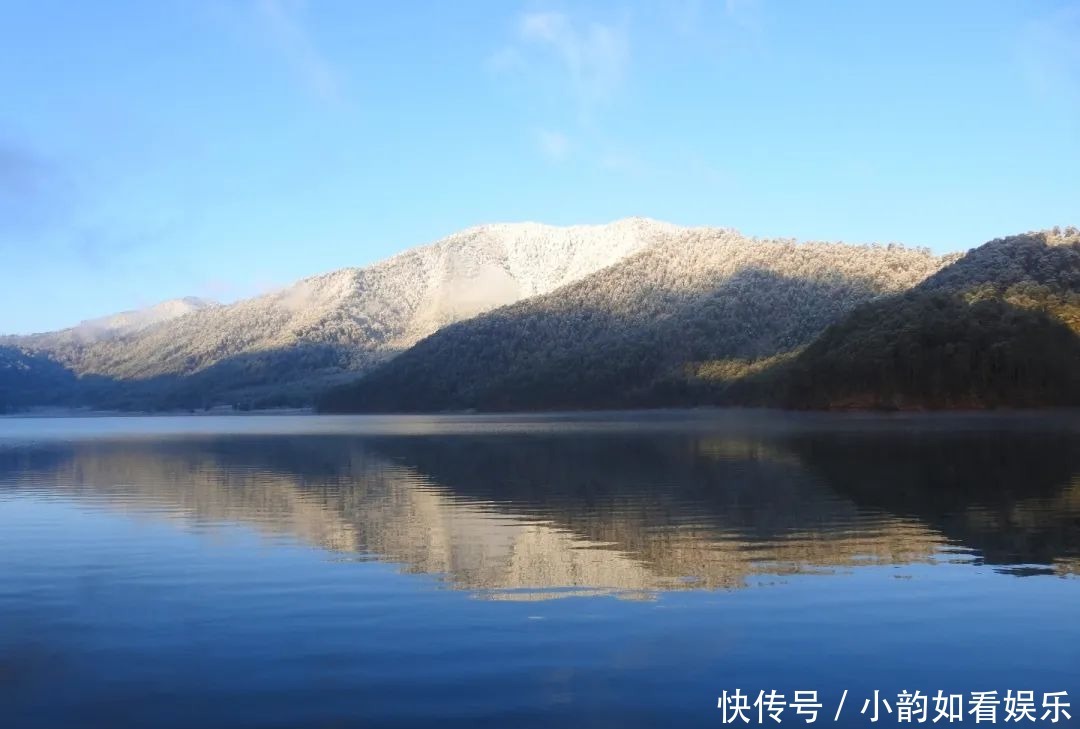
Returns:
point(32, 379)
point(999, 327)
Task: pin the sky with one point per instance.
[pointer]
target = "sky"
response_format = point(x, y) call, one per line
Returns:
point(224, 148)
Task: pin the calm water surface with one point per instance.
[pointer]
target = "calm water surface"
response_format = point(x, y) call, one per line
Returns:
point(613, 570)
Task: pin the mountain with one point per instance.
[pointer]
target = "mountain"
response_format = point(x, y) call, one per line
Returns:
point(999, 327)
point(635, 313)
point(30, 374)
point(27, 379)
point(112, 326)
point(284, 346)
point(128, 322)
point(648, 330)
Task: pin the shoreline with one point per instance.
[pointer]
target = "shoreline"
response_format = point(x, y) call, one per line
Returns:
point(44, 413)
point(698, 412)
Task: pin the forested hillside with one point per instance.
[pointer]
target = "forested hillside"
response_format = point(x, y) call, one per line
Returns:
point(283, 347)
point(27, 379)
point(646, 331)
point(632, 314)
point(999, 327)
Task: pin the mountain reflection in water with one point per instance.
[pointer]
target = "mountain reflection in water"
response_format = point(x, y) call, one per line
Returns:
point(532, 515)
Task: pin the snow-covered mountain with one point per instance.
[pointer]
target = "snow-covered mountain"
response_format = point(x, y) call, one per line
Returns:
point(127, 322)
point(136, 320)
point(328, 326)
point(114, 325)
point(645, 330)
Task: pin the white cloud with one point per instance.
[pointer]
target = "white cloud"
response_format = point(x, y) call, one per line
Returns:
point(571, 71)
point(543, 26)
point(588, 60)
point(554, 145)
point(283, 23)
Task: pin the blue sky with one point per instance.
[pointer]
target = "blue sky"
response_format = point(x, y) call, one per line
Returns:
point(150, 150)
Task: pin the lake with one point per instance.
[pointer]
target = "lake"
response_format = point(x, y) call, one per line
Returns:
point(608, 570)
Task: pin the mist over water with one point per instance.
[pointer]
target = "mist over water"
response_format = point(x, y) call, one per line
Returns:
point(526, 570)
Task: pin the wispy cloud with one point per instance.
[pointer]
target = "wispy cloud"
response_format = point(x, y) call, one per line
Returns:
point(594, 56)
point(51, 213)
point(1049, 54)
point(588, 59)
point(553, 145)
point(34, 190)
point(285, 27)
point(21, 173)
point(228, 290)
point(573, 73)
point(578, 67)
point(713, 27)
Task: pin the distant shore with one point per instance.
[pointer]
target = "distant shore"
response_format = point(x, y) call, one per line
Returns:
point(704, 412)
point(90, 413)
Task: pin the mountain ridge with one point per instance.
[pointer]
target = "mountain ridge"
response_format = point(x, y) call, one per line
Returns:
point(120, 322)
point(633, 313)
point(608, 339)
point(326, 326)
point(1000, 327)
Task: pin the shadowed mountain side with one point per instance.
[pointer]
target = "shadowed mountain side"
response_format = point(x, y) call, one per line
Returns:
point(934, 351)
point(284, 377)
point(604, 344)
point(999, 327)
point(30, 379)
